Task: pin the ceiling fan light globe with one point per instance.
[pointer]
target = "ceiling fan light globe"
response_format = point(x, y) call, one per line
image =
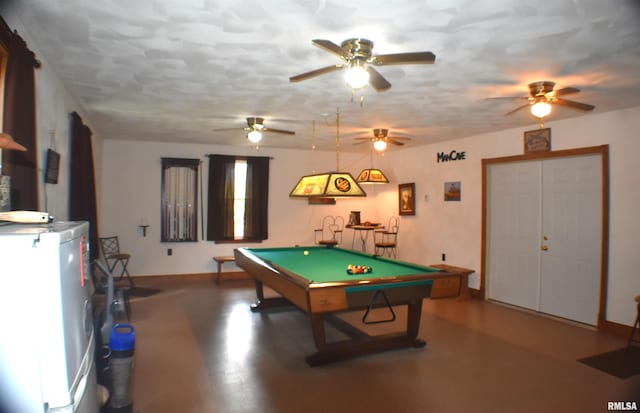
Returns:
point(380, 145)
point(540, 109)
point(357, 77)
point(254, 136)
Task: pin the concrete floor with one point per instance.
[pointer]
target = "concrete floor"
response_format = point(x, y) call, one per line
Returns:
point(200, 349)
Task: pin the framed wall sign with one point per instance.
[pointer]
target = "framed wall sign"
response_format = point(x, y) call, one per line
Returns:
point(407, 199)
point(538, 140)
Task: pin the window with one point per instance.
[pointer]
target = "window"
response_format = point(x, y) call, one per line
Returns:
point(238, 198)
point(179, 212)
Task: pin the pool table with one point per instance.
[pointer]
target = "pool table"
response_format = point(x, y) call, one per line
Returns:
point(315, 280)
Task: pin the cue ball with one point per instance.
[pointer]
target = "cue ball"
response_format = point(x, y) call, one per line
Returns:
point(306, 252)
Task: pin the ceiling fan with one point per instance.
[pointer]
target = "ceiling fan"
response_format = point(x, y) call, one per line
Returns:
point(380, 139)
point(255, 127)
point(358, 59)
point(542, 96)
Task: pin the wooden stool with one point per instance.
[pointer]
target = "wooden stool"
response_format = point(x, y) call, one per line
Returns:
point(635, 324)
point(235, 275)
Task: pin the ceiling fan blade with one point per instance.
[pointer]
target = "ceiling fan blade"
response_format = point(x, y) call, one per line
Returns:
point(363, 139)
point(573, 104)
point(399, 138)
point(506, 97)
point(376, 80)
point(517, 109)
point(330, 46)
point(566, 91)
point(395, 142)
point(404, 58)
point(226, 129)
point(286, 132)
point(314, 73)
point(360, 143)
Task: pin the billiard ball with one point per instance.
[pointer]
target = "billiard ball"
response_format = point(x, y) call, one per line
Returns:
point(306, 252)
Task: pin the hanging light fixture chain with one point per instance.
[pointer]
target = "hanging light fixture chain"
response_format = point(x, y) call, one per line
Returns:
point(338, 140)
point(313, 146)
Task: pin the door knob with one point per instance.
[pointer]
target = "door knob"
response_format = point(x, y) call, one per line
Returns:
point(544, 248)
point(544, 237)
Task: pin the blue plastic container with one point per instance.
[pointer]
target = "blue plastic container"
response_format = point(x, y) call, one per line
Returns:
point(122, 338)
point(122, 342)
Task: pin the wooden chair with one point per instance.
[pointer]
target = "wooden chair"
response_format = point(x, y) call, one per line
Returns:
point(111, 304)
point(331, 231)
point(386, 240)
point(635, 324)
point(110, 248)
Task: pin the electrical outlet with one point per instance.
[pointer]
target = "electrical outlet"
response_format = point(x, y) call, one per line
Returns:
point(444, 257)
point(169, 251)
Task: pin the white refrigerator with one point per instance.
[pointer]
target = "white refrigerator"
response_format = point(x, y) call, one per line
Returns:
point(46, 332)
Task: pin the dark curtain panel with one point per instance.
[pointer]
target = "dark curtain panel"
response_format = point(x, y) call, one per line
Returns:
point(82, 186)
point(20, 123)
point(218, 189)
point(220, 208)
point(256, 212)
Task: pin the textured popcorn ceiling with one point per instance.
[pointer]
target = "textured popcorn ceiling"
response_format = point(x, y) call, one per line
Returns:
point(175, 70)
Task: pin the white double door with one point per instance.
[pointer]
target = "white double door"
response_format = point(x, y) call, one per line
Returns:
point(544, 235)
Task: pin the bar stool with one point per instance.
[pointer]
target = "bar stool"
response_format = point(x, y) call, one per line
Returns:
point(386, 241)
point(635, 324)
point(330, 234)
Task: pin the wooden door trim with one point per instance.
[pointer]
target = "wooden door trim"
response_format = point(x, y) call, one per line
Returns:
point(603, 151)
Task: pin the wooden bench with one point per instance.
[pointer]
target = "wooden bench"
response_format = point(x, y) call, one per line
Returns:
point(236, 275)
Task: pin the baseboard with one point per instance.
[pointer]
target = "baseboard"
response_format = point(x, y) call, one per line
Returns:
point(233, 276)
point(205, 276)
point(176, 277)
point(618, 329)
point(474, 293)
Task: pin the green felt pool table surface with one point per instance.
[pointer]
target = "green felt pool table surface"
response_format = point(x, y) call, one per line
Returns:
point(329, 265)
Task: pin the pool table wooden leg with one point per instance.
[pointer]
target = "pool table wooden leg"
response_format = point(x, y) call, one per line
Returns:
point(264, 303)
point(317, 327)
point(362, 344)
point(414, 311)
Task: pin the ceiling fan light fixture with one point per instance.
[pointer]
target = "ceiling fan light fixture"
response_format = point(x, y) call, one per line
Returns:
point(379, 145)
point(357, 76)
point(254, 136)
point(540, 109)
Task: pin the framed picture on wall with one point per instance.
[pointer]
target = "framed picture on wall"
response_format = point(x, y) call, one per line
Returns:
point(453, 191)
point(538, 140)
point(53, 165)
point(407, 199)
